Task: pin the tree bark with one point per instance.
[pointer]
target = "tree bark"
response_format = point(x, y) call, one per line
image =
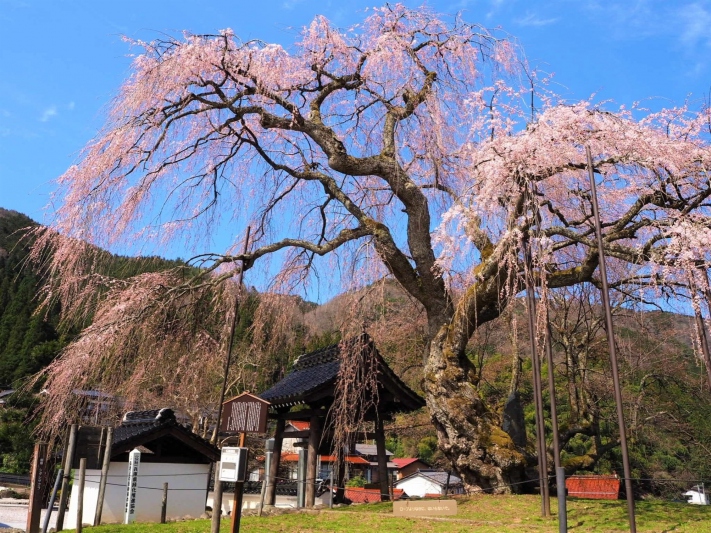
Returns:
point(469, 432)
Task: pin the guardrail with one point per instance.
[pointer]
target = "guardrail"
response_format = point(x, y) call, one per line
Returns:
point(15, 479)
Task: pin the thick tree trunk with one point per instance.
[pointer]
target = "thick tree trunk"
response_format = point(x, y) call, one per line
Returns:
point(469, 432)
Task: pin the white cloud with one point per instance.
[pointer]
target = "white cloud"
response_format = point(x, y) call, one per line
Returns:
point(48, 113)
point(531, 19)
point(291, 4)
point(695, 20)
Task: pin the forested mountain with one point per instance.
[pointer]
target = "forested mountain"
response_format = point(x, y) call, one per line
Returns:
point(667, 404)
point(29, 340)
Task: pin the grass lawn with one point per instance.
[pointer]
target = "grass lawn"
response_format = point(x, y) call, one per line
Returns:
point(481, 514)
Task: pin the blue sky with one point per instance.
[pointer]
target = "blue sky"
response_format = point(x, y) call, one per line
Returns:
point(62, 60)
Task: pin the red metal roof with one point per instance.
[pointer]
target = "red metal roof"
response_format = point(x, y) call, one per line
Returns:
point(351, 459)
point(363, 495)
point(300, 425)
point(593, 487)
point(403, 462)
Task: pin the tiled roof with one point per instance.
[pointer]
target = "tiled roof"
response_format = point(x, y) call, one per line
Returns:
point(310, 372)
point(438, 476)
point(139, 427)
point(300, 425)
point(314, 372)
point(369, 449)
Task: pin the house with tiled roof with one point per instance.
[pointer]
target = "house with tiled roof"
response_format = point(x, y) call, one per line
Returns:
point(427, 483)
point(170, 453)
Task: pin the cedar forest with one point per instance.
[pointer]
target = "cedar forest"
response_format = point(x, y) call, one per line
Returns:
point(426, 162)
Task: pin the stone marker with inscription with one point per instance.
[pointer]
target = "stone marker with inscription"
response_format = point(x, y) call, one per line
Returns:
point(425, 508)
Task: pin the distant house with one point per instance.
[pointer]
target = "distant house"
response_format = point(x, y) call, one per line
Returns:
point(363, 461)
point(369, 452)
point(4, 395)
point(697, 495)
point(169, 453)
point(430, 483)
point(409, 465)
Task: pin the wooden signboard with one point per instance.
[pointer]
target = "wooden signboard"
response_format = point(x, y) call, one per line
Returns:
point(90, 445)
point(425, 508)
point(245, 413)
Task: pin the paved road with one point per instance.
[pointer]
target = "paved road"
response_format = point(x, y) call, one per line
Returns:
point(14, 515)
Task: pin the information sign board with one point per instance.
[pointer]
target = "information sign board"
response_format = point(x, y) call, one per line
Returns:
point(245, 413)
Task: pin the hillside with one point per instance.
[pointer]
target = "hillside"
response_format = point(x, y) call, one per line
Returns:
point(667, 405)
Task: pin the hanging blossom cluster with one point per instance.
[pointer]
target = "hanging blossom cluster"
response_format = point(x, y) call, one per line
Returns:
point(653, 188)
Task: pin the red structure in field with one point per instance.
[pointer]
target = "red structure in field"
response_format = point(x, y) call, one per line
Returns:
point(594, 487)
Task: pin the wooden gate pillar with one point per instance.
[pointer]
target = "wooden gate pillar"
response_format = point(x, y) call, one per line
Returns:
point(312, 459)
point(270, 495)
point(382, 459)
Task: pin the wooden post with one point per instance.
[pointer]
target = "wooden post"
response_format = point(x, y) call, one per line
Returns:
point(80, 494)
point(312, 459)
point(164, 503)
point(68, 458)
point(104, 476)
point(341, 481)
point(382, 459)
point(216, 501)
point(238, 496)
point(270, 496)
point(36, 488)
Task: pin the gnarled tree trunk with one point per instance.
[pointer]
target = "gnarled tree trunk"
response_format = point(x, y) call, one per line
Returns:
point(469, 432)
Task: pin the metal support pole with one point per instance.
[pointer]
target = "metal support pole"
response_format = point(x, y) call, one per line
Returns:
point(268, 452)
point(703, 341)
point(301, 478)
point(559, 471)
point(537, 392)
point(104, 476)
point(50, 506)
point(613, 352)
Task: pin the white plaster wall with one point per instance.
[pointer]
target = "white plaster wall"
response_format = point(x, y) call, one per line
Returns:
point(419, 486)
point(186, 493)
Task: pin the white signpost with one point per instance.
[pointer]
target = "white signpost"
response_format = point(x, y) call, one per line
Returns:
point(134, 460)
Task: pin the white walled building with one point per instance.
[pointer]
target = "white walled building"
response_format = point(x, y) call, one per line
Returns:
point(429, 482)
point(169, 453)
